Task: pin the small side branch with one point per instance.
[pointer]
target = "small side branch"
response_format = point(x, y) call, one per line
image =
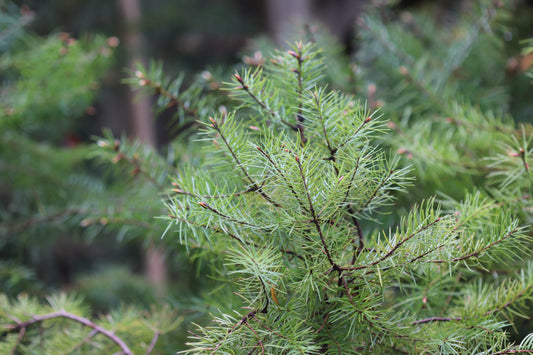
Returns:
point(232, 236)
point(242, 321)
point(378, 188)
point(396, 247)
point(478, 252)
point(280, 172)
point(449, 319)
point(133, 162)
point(272, 113)
point(316, 222)
point(229, 218)
point(152, 343)
point(437, 319)
point(63, 314)
point(332, 151)
point(160, 90)
point(254, 185)
point(299, 116)
point(181, 192)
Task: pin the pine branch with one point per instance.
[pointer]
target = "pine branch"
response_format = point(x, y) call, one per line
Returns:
point(63, 314)
point(488, 313)
point(235, 194)
point(377, 190)
point(478, 252)
point(153, 342)
point(392, 251)
point(316, 222)
point(299, 116)
point(174, 100)
point(272, 113)
point(280, 172)
point(216, 126)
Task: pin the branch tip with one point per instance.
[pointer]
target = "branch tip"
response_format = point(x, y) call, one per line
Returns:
point(238, 77)
point(213, 122)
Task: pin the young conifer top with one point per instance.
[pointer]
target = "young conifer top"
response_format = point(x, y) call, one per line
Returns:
point(289, 196)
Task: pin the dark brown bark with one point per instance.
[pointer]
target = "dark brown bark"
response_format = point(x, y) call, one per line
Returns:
point(142, 124)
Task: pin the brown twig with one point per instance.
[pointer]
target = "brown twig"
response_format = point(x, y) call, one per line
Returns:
point(378, 188)
point(216, 126)
point(316, 222)
point(272, 113)
point(257, 336)
point(152, 343)
point(477, 252)
point(280, 172)
point(181, 192)
point(63, 314)
point(488, 313)
point(299, 116)
point(393, 250)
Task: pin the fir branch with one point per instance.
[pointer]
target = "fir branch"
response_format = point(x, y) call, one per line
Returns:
point(49, 218)
point(348, 293)
point(235, 194)
point(272, 113)
point(19, 340)
point(488, 313)
point(216, 126)
point(63, 314)
point(152, 343)
point(214, 228)
point(377, 190)
point(13, 28)
point(242, 321)
point(137, 169)
point(259, 341)
point(380, 35)
point(355, 133)
point(280, 172)
point(91, 334)
point(174, 100)
point(513, 351)
point(410, 261)
point(476, 253)
point(232, 236)
point(316, 222)
point(423, 88)
point(457, 58)
point(437, 319)
point(358, 248)
point(321, 118)
point(229, 218)
point(299, 116)
point(361, 245)
point(270, 329)
point(393, 250)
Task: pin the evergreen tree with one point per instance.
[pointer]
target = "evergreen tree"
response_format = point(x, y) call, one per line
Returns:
point(50, 195)
point(291, 180)
point(297, 204)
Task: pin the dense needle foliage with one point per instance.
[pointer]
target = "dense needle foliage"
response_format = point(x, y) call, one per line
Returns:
point(290, 182)
point(375, 204)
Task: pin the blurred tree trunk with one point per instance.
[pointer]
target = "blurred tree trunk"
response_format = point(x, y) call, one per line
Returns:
point(339, 16)
point(142, 124)
point(281, 14)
